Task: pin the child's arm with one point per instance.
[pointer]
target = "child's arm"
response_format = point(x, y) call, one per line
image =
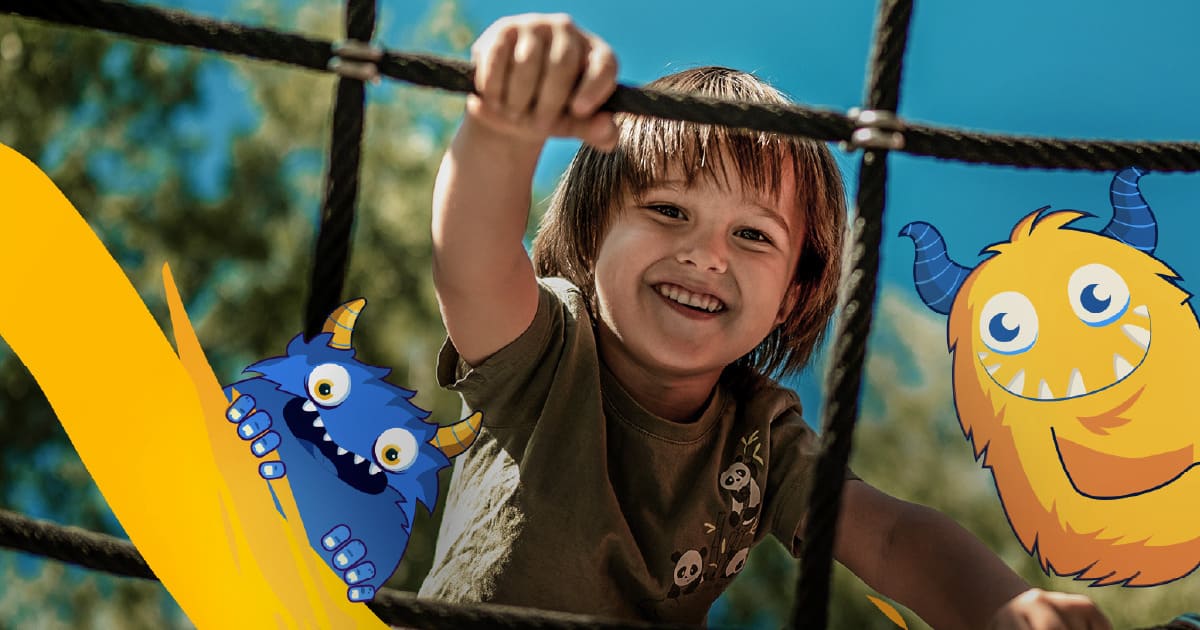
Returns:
point(536, 76)
point(924, 560)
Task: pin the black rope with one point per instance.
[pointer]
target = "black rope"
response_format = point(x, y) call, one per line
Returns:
point(858, 285)
point(173, 27)
point(116, 556)
point(333, 246)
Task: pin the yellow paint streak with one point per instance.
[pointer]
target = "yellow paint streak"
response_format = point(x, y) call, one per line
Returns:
point(149, 425)
point(888, 610)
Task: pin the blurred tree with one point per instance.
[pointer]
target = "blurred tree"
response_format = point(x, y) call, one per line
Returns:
point(120, 128)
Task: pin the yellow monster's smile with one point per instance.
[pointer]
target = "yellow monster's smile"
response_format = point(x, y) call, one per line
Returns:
point(1039, 387)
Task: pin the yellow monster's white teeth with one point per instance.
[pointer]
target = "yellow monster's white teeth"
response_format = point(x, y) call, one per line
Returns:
point(1137, 335)
point(983, 355)
point(991, 369)
point(1076, 388)
point(1121, 367)
point(1142, 310)
point(687, 298)
point(1017, 384)
point(1044, 391)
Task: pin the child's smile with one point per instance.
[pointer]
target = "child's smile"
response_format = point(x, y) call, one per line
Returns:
point(691, 277)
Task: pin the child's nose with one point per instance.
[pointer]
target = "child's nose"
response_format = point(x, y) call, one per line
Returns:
point(706, 250)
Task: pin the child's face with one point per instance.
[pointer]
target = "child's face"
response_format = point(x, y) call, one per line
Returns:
point(726, 251)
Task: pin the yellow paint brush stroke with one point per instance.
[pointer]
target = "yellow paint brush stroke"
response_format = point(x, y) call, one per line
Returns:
point(150, 427)
point(889, 610)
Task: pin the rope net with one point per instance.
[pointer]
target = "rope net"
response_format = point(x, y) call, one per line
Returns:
point(878, 134)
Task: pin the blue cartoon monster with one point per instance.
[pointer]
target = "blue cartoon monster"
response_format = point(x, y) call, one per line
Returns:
point(357, 452)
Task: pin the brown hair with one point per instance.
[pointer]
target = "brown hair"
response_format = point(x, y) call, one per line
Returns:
point(573, 227)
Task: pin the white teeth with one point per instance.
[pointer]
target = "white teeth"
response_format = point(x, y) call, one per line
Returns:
point(983, 355)
point(991, 369)
point(1142, 310)
point(1137, 334)
point(1121, 367)
point(1044, 392)
point(1017, 384)
point(326, 438)
point(374, 470)
point(358, 459)
point(308, 406)
point(318, 422)
point(1076, 387)
point(704, 302)
point(342, 451)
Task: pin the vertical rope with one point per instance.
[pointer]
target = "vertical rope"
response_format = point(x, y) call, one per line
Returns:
point(844, 378)
point(332, 255)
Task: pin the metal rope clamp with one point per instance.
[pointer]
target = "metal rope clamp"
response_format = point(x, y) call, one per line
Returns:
point(875, 129)
point(356, 60)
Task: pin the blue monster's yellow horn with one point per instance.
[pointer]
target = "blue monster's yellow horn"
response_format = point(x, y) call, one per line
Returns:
point(937, 277)
point(1133, 222)
point(459, 436)
point(341, 323)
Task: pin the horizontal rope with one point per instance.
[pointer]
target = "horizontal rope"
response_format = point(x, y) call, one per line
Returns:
point(101, 552)
point(174, 27)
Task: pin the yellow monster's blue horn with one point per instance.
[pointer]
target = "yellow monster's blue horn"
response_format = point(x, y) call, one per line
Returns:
point(341, 323)
point(1133, 222)
point(937, 277)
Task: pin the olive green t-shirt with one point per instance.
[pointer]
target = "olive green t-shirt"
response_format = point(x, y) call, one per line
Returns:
point(575, 498)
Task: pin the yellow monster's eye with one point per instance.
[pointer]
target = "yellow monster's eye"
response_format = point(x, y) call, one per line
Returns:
point(395, 449)
point(1008, 323)
point(328, 384)
point(1098, 295)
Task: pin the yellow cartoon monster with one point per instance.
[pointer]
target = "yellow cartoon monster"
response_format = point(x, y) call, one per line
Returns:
point(1073, 375)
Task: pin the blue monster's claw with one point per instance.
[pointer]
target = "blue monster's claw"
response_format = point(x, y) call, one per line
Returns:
point(360, 573)
point(354, 551)
point(265, 444)
point(360, 593)
point(271, 470)
point(335, 537)
point(258, 422)
point(240, 407)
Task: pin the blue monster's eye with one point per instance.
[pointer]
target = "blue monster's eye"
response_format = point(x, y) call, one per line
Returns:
point(1008, 323)
point(328, 384)
point(396, 449)
point(1098, 295)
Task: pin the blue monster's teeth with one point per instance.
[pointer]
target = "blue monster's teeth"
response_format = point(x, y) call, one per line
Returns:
point(308, 406)
point(358, 459)
point(342, 451)
point(375, 470)
point(318, 422)
point(326, 438)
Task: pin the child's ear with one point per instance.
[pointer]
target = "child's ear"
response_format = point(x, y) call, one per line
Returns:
point(788, 303)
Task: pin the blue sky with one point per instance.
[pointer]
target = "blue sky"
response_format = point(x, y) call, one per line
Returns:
point(1065, 68)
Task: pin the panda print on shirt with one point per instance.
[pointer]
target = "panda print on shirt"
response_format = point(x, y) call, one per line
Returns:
point(730, 534)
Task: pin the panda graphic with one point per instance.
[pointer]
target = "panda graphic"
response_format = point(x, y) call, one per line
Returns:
point(688, 572)
point(745, 495)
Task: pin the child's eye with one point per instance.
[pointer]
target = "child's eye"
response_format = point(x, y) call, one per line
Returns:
point(667, 211)
point(753, 235)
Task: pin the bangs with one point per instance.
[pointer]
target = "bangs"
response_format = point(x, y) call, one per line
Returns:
point(655, 150)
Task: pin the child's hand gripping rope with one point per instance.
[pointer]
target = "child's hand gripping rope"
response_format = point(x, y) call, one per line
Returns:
point(539, 76)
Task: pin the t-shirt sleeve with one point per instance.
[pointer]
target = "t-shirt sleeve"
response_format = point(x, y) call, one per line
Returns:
point(794, 452)
point(510, 386)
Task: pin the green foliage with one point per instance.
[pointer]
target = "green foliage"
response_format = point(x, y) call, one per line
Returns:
point(110, 122)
